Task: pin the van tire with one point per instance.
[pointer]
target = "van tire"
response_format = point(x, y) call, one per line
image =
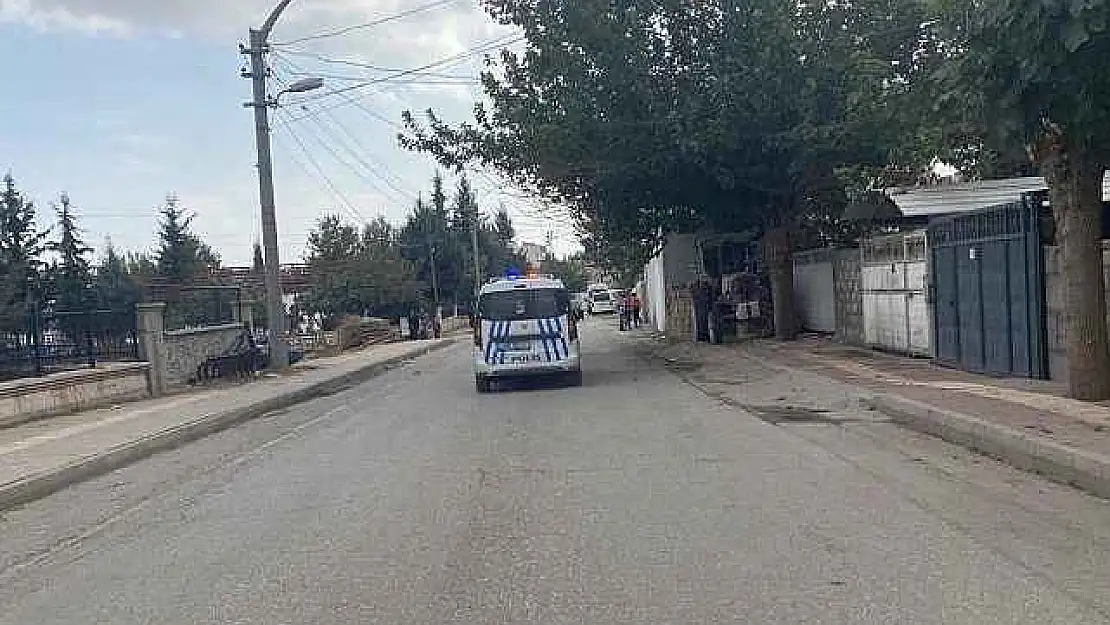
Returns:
point(482, 384)
point(575, 378)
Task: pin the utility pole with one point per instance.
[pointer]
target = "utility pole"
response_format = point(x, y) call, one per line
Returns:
point(259, 72)
point(475, 222)
point(435, 279)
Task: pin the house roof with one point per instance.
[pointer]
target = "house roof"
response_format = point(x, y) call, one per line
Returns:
point(968, 196)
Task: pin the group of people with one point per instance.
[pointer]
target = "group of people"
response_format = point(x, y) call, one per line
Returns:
point(628, 310)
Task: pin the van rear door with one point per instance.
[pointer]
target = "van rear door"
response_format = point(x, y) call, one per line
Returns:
point(523, 326)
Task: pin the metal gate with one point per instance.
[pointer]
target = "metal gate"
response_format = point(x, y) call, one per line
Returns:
point(988, 290)
point(895, 312)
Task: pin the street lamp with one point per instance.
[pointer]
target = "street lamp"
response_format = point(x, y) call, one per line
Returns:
point(275, 306)
point(301, 86)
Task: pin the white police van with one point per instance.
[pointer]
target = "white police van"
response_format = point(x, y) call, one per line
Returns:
point(525, 327)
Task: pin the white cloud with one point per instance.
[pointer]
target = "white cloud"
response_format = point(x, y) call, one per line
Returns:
point(226, 208)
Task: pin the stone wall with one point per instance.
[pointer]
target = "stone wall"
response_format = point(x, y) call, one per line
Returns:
point(72, 391)
point(1055, 307)
point(185, 350)
point(847, 278)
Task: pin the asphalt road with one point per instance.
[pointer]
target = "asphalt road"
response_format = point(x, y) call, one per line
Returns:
point(635, 499)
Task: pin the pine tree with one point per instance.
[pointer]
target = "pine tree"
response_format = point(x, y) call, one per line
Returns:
point(181, 255)
point(174, 259)
point(117, 290)
point(71, 275)
point(21, 249)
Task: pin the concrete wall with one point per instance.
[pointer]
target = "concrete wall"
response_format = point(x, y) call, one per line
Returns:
point(815, 290)
point(72, 391)
point(847, 280)
point(1055, 307)
point(184, 350)
point(655, 289)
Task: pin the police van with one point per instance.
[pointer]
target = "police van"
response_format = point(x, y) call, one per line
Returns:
point(525, 327)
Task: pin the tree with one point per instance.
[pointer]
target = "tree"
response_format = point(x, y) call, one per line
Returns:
point(71, 275)
point(571, 270)
point(650, 117)
point(21, 249)
point(116, 289)
point(181, 255)
point(333, 247)
point(1035, 75)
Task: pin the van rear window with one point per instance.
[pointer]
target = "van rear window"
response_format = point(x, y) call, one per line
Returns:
point(524, 304)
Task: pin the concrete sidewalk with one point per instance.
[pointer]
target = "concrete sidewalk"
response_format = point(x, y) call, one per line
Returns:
point(1026, 423)
point(44, 456)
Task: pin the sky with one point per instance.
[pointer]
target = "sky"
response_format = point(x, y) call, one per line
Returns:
point(119, 103)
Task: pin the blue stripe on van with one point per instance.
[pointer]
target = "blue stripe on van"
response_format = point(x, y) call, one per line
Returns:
point(543, 337)
point(562, 337)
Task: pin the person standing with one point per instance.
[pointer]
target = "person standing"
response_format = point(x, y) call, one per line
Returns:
point(634, 308)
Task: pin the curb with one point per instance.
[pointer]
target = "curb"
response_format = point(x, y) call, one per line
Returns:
point(39, 486)
point(1055, 461)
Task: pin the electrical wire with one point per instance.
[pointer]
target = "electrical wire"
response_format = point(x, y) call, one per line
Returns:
point(441, 62)
point(354, 212)
point(384, 177)
point(366, 168)
point(372, 23)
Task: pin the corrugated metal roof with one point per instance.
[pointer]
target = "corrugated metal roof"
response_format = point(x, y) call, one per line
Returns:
point(968, 196)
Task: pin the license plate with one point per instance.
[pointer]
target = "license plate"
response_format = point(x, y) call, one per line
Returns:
point(516, 347)
point(523, 358)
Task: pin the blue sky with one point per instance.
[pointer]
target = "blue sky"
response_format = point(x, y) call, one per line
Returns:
point(122, 104)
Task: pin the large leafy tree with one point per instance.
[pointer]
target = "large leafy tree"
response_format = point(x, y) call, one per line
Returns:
point(653, 116)
point(1034, 76)
point(22, 245)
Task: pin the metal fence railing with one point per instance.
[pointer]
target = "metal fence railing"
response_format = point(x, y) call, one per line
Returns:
point(197, 306)
point(52, 341)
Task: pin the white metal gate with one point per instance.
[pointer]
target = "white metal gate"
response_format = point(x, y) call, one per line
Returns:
point(894, 279)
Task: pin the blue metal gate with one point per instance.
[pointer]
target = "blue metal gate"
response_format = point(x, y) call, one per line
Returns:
point(987, 287)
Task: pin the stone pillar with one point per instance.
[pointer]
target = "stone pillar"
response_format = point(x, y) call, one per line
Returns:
point(150, 317)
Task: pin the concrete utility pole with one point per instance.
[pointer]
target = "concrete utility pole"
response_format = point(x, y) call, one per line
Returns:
point(435, 279)
point(258, 73)
point(475, 223)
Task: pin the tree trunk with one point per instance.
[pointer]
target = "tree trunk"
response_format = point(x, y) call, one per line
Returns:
point(778, 252)
point(1075, 189)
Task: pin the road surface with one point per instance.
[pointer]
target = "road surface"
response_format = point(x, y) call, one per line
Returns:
point(635, 499)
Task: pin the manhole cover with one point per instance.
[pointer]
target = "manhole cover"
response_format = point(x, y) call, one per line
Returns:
point(776, 415)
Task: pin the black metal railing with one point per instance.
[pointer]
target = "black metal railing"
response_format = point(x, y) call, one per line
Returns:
point(197, 306)
point(53, 341)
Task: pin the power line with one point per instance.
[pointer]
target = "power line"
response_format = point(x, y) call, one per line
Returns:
point(441, 62)
point(368, 169)
point(384, 177)
point(377, 22)
point(354, 212)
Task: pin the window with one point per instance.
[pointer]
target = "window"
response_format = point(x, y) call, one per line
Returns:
point(524, 304)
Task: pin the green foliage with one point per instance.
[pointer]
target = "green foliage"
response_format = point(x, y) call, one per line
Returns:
point(116, 288)
point(356, 273)
point(71, 275)
point(21, 248)
point(386, 271)
point(571, 270)
point(181, 255)
point(651, 116)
